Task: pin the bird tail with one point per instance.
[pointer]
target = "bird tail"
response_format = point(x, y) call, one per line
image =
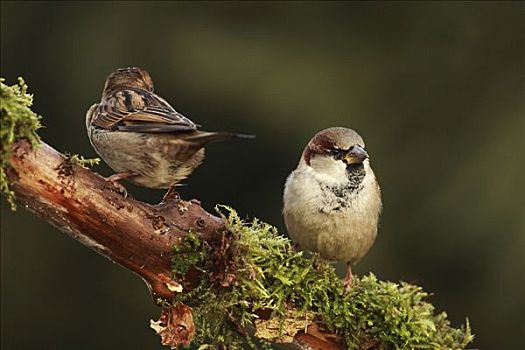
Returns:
point(207, 137)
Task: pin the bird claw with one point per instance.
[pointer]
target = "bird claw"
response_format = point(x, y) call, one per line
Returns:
point(114, 180)
point(171, 195)
point(118, 186)
point(347, 285)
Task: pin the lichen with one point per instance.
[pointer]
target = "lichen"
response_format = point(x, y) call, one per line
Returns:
point(17, 122)
point(266, 276)
point(273, 328)
point(84, 162)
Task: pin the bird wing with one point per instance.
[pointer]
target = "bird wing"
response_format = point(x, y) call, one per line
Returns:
point(139, 111)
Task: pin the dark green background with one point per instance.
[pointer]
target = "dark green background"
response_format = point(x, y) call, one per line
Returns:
point(436, 89)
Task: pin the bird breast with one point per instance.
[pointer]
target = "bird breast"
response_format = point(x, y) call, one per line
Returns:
point(333, 218)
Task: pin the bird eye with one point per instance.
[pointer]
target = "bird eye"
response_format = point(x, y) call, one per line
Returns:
point(337, 153)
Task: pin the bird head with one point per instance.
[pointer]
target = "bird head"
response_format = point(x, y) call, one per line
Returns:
point(335, 150)
point(131, 77)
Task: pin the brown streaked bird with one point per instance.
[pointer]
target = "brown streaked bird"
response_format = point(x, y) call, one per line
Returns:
point(332, 201)
point(142, 137)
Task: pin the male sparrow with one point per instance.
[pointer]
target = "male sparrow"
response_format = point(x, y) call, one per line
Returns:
point(141, 136)
point(332, 201)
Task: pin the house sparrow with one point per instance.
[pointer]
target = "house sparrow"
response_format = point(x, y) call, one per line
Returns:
point(141, 136)
point(332, 201)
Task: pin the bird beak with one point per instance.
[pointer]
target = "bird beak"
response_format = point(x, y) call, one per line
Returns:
point(356, 155)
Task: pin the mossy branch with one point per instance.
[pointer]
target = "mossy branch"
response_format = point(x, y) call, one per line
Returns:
point(221, 281)
point(18, 121)
point(253, 278)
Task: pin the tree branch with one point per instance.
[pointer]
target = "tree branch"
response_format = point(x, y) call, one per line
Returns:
point(82, 204)
point(136, 235)
point(240, 278)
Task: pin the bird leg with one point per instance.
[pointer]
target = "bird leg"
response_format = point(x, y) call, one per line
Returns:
point(347, 283)
point(171, 195)
point(115, 178)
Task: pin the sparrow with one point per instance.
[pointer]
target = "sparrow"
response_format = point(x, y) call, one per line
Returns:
point(332, 201)
point(142, 137)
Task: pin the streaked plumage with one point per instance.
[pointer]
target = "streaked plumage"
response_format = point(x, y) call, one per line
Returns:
point(141, 136)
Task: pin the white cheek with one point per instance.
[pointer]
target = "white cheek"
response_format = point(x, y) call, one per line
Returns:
point(329, 170)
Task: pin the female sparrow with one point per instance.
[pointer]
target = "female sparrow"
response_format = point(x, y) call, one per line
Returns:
point(332, 201)
point(141, 136)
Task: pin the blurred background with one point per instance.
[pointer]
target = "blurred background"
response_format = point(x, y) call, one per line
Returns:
point(436, 89)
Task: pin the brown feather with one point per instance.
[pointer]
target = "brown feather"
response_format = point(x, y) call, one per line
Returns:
point(136, 131)
point(134, 107)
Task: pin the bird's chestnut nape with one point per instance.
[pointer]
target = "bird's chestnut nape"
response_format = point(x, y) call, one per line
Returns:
point(340, 143)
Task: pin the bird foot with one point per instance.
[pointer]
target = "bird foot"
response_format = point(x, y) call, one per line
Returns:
point(114, 180)
point(347, 284)
point(171, 195)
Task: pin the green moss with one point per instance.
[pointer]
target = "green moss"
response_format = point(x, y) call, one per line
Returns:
point(18, 121)
point(189, 253)
point(85, 162)
point(253, 270)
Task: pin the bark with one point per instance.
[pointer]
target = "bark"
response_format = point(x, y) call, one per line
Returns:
point(136, 235)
